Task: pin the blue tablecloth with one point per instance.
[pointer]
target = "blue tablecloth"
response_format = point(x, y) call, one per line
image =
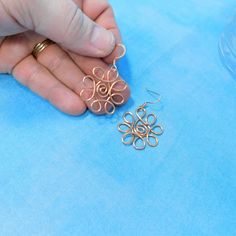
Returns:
point(62, 175)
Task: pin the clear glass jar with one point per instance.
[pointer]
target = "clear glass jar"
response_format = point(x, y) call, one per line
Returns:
point(227, 47)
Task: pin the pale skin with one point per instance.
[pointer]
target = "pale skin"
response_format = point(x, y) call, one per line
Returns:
point(57, 73)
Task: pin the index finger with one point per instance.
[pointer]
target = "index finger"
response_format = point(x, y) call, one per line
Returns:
point(102, 13)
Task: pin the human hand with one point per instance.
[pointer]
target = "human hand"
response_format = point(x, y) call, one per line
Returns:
point(85, 32)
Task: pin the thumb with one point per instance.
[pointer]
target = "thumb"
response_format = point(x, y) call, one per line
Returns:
point(63, 22)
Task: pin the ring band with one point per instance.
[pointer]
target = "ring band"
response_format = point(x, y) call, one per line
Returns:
point(39, 47)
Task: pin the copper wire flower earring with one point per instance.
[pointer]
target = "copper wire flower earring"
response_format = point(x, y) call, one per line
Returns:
point(104, 88)
point(141, 129)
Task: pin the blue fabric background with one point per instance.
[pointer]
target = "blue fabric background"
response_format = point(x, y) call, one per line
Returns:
point(62, 175)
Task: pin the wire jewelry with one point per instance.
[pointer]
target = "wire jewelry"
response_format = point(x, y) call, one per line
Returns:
point(104, 88)
point(140, 128)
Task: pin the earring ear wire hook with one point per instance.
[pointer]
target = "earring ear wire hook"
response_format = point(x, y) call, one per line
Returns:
point(119, 46)
point(155, 95)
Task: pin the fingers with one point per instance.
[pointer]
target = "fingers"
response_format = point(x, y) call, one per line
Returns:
point(64, 69)
point(76, 31)
point(35, 76)
point(58, 64)
point(102, 13)
point(61, 66)
point(15, 48)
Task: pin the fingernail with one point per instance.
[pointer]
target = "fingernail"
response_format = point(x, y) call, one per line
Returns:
point(103, 40)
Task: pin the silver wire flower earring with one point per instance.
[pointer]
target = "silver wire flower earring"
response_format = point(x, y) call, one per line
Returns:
point(141, 129)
